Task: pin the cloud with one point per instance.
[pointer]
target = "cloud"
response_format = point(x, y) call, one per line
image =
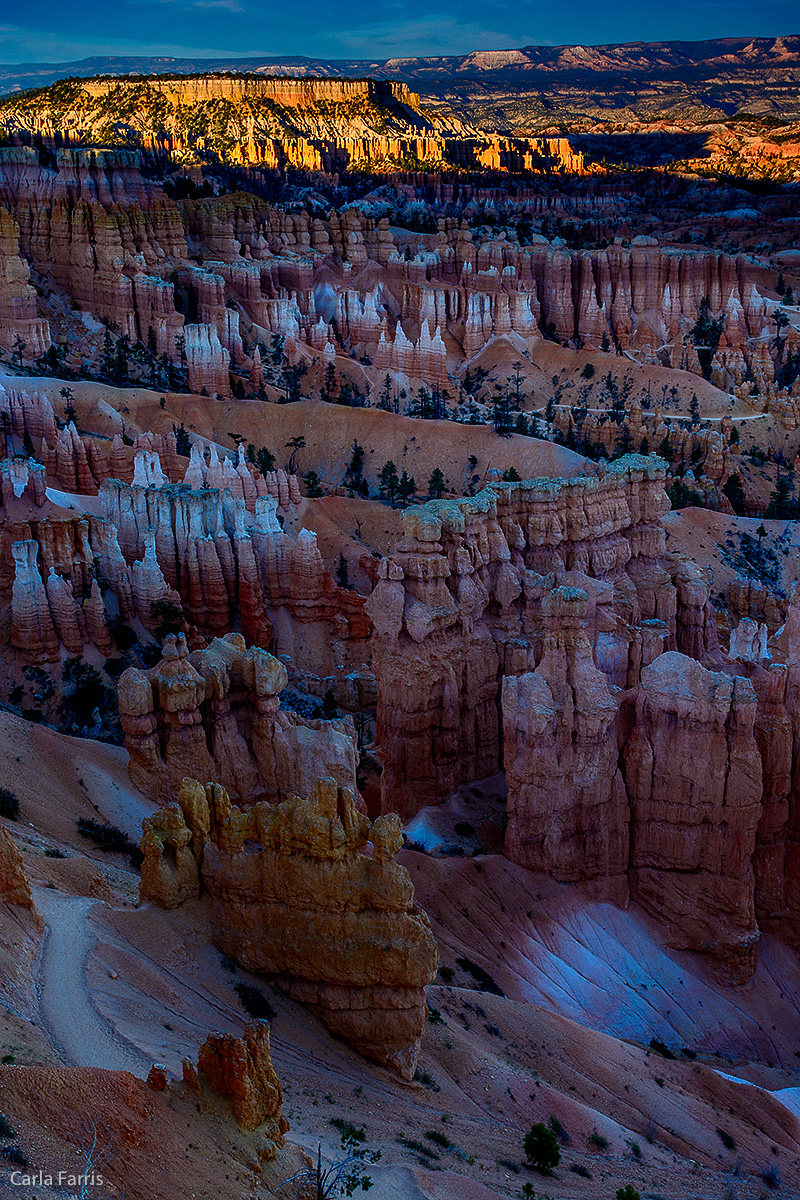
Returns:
point(422, 36)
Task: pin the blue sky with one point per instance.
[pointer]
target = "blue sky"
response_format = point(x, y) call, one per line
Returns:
point(52, 31)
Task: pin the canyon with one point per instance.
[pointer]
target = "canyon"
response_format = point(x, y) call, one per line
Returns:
point(400, 622)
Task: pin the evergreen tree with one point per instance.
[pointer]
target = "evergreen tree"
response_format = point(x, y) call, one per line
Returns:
point(436, 483)
point(183, 443)
point(265, 460)
point(355, 469)
point(705, 334)
point(389, 480)
point(406, 488)
point(313, 485)
point(782, 504)
point(69, 407)
point(734, 490)
point(501, 407)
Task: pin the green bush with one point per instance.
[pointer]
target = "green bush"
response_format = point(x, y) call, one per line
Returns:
point(541, 1148)
point(627, 1193)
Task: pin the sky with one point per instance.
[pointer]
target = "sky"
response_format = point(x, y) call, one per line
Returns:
point(52, 31)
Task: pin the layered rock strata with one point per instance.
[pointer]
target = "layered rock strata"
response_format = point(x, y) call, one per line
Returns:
point(120, 249)
point(693, 776)
point(459, 605)
point(215, 714)
point(293, 896)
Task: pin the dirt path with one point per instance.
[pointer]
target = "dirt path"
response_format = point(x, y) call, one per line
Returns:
point(74, 1025)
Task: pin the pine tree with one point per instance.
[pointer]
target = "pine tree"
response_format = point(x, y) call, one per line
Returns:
point(389, 480)
point(265, 460)
point(734, 490)
point(313, 484)
point(183, 443)
point(436, 483)
point(782, 504)
point(406, 488)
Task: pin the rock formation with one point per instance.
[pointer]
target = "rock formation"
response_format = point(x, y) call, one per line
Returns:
point(240, 1069)
point(214, 714)
point(459, 605)
point(292, 896)
point(567, 806)
point(693, 775)
point(15, 886)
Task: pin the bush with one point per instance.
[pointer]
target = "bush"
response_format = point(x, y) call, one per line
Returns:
point(482, 978)
point(9, 804)
point(771, 1177)
point(419, 1147)
point(727, 1140)
point(426, 1080)
point(354, 1133)
point(541, 1148)
point(598, 1140)
point(578, 1169)
point(254, 1002)
point(109, 839)
point(5, 1129)
point(627, 1193)
point(436, 1135)
point(13, 1155)
point(559, 1130)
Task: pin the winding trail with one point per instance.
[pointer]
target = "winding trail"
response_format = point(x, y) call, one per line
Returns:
point(75, 1026)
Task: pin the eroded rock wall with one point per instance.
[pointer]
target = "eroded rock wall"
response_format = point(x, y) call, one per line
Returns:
point(215, 714)
point(293, 896)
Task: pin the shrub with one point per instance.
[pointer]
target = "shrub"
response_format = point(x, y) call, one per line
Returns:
point(5, 1129)
point(354, 1133)
point(109, 839)
point(436, 1135)
point(578, 1169)
point(559, 1130)
point(771, 1177)
point(660, 1048)
point(482, 978)
point(446, 974)
point(13, 1155)
point(254, 1002)
point(541, 1148)
point(426, 1080)
point(727, 1140)
point(419, 1147)
point(9, 804)
point(598, 1140)
point(627, 1193)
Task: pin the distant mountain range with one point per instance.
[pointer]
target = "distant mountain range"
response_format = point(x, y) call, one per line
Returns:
point(535, 66)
